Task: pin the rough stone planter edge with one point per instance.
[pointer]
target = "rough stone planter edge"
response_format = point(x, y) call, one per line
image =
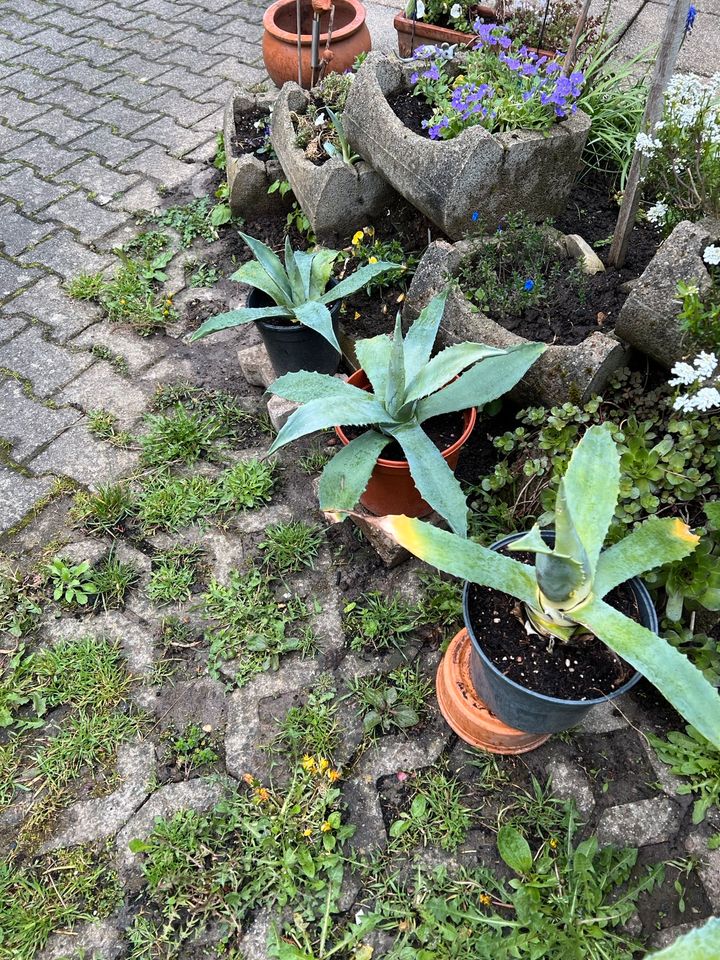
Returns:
point(337, 198)
point(248, 177)
point(563, 373)
point(449, 179)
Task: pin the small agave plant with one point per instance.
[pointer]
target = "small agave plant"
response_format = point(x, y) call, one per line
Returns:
point(408, 388)
point(563, 593)
point(298, 288)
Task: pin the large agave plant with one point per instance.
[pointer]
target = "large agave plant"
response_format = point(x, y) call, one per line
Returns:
point(298, 288)
point(408, 388)
point(563, 593)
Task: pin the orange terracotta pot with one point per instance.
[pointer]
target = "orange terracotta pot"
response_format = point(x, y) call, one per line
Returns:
point(391, 489)
point(350, 37)
point(410, 39)
point(466, 713)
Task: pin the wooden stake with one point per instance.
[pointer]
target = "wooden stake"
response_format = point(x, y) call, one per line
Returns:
point(672, 38)
point(577, 33)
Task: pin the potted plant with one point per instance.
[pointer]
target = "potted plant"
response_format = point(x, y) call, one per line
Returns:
point(401, 396)
point(438, 21)
point(294, 305)
point(562, 616)
point(480, 131)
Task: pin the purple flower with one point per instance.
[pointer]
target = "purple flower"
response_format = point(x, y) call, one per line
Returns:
point(529, 285)
point(475, 216)
point(505, 42)
point(511, 62)
point(552, 67)
point(414, 78)
point(690, 22)
point(432, 73)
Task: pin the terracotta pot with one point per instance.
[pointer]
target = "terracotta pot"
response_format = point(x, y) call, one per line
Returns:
point(391, 489)
point(466, 713)
point(430, 33)
point(350, 37)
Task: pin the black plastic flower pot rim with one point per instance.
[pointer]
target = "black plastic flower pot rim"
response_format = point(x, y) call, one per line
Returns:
point(526, 709)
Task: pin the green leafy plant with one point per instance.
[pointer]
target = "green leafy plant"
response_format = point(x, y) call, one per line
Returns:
point(393, 702)
point(204, 276)
point(104, 425)
point(409, 389)
point(378, 622)
point(20, 608)
point(288, 547)
point(113, 578)
point(105, 510)
point(343, 150)
point(190, 220)
point(691, 756)
point(180, 437)
point(173, 574)
point(298, 289)
point(436, 814)
point(700, 314)
point(311, 729)
point(71, 583)
point(192, 748)
point(563, 594)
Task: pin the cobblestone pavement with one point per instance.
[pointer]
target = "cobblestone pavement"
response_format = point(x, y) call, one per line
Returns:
point(103, 107)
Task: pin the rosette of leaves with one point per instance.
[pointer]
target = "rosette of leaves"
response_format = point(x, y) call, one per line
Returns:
point(298, 288)
point(562, 595)
point(408, 388)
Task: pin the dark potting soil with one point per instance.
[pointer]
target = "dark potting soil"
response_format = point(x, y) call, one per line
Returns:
point(581, 670)
point(443, 431)
point(411, 110)
point(248, 138)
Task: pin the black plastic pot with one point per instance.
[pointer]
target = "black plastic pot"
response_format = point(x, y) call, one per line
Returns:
point(293, 347)
point(525, 709)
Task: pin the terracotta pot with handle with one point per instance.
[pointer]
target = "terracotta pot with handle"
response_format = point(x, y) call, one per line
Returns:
point(350, 37)
point(391, 489)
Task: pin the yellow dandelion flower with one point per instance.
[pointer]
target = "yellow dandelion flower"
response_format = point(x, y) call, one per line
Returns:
point(322, 765)
point(248, 778)
point(333, 776)
point(484, 899)
point(357, 238)
point(553, 844)
point(307, 833)
point(326, 826)
point(372, 259)
point(308, 763)
point(262, 795)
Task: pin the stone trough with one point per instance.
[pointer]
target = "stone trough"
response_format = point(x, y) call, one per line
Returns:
point(649, 317)
point(564, 373)
point(337, 198)
point(248, 177)
point(448, 180)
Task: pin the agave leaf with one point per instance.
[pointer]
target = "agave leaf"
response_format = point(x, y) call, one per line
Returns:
point(462, 558)
point(446, 365)
point(420, 338)
point(360, 278)
point(655, 542)
point(255, 275)
point(395, 386)
point(270, 262)
point(592, 485)
point(562, 579)
point(346, 476)
point(676, 677)
point(317, 316)
point(319, 415)
point(305, 386)
point(322, 265)
point(234, 318)
point(703, 943)
point(433, 477)
point(532, 541)
point(373, 356)
point(486, 381)
point(299, 292)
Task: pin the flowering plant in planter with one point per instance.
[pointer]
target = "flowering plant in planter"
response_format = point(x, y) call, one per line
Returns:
point(408, 389)
point(562, 596)
point(503, 87)
point(299, 289)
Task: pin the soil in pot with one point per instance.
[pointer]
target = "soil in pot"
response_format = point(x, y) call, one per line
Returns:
point(444, 431)
point(583, 670)
point(252, 132)
point(411, 110)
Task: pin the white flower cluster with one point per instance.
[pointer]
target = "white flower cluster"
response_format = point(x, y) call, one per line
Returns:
point(689, 100)
point(657, 214)
point(647, 145)
point(711, 255)
point(686, 375)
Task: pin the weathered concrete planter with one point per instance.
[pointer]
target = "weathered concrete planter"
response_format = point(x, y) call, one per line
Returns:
point(562, 373)
point(248, 177)
point(494, 174)
point(337, 198)
point(649, 317)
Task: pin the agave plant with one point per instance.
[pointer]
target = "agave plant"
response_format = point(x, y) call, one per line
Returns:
point(298, 288)
point(407, 389)
point(563, 593)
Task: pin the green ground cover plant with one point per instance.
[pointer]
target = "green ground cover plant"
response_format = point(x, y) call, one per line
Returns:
point(394, 701)
point(192, 748)
point(690, 756)
point(105, 510)
point(436, 815)
point(376, 622)
point(312, 728)
point(174, 573)
point(288, 547)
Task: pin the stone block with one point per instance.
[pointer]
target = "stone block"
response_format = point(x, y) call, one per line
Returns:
point(46, 365)
point(580, 250)
point(101, 387)
point(18, 495)
point(447, 180)
point(248, 177)
point(649, 317)
point(79, 455)
point(27, 424)
point(280, 410)
point(569, 782)
point(255, 365)
point(338, 198)
point(639, 823)
point(563, 373)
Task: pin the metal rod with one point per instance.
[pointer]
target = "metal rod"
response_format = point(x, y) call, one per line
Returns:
point(298, 11)
point(315, 49)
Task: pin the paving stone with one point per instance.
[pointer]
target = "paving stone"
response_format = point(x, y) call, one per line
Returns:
point(169, 799)
point(18, 495)
point(570, 783)
point(10, 326)
point(135, 92)
point(136, 640)
point(77, 454)
point(154, 162)
point(63, 254)
point(14, 278)
point(41, 60)
point(240, 73)
point(101, 939)
point(98, 54)
point(142, 68)
point(46, 365)
point(141, 198)
point(120, 119)
point(95, 819)
point(97, 179)
point(31, 85)
point(18, 231)
point(16, 110)
point(191, 84)
point(186, 112)
point(602, 719)
point(100, 386)
point(280, 411)
point(639, 823)
point(45, 156)
point(108, 146)
point(139, 352)
point(12, 139)
point(47, 302)
point(255, 365)
point(55, 40)
point(87, 77)
point(72, 100)
point(60, 127)
point(30, 191)
point(26, 423)
point(708, 867)
point(89, 219)
point(175, 139)
point(203, 701)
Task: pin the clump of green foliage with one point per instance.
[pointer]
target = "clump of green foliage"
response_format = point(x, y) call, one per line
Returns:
point(183, 436)
point(113, 578)
point(204, 276)
point(253, 629)
point(104, 425)
point(311, 729)
point(396, 701)
point(20, 606)
point(71, 583)
point(190, 220)
point(690, 756)
point(192, 747)
point(376, 622)
point(173, 574)
point(366, 245)
point(700, 313)
point(104, 511)
point(288, 547)
point(436, 814)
